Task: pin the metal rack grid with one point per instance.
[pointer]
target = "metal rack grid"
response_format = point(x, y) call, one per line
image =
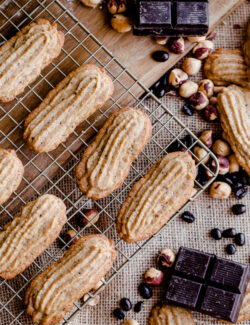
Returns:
point(54, 172)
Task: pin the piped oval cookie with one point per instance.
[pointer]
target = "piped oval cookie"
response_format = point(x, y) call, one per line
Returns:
point(106, 162)
point(23, 57)
point(170, 315)
point(73, 100)
point(156, 197)
point(11, 173)
point(30, 233)
point(52, 293)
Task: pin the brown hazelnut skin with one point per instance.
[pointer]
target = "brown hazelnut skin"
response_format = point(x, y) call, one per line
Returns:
point(233, 164)
point(203, 49)
point(166, 258)
point(221, 148)
point(177, 77)
point(191, 66)
point(198, 100)
point(121, 23)
point(176, 45)
point(210, 113)
point(117, 6)
point(207, 87)
point(130, 322)
point(91, 215)
point(70, 236)
point(162, 40)
point(220, 190)
point(194, 39)
point(154, 277)
point(201, 154)
point(207, 138)
point(224, 165)
point(188, 88)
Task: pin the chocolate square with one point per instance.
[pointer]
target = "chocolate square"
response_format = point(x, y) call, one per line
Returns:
point(154, 13)
point(192, 13)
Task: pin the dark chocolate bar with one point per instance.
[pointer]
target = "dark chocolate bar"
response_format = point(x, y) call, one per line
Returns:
point(207, 283)
point(170, 17)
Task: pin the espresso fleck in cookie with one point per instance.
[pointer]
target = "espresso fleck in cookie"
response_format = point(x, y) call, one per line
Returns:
point(106, 162)
point(170, 315)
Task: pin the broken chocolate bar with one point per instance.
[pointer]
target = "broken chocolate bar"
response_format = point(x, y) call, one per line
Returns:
point(170, 17)
point(207, 283)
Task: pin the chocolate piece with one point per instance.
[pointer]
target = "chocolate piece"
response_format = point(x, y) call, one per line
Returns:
point(171, 17)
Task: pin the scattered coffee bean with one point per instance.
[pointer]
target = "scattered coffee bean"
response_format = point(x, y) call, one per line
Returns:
point(145, 291)
point(175, 146)
point(240, 239)
point(188, 140)
point(201, 177)
point(125, 304)
point(238, 209)
point(160, 56)
point(160, 92)
point(216, 233)
point(188, 216)
point(188, 110)
point(241, 192)
point(119, 313)
point(138, 306)
point(245, 178)
point(225, 178)
point(230, 249)
point(229, 233)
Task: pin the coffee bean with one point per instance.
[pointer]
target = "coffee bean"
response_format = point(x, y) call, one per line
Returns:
point(241, 192)
point(201, 177)
point(188, 140)
point(138, 306)
point(216, 233)
point(230, 249)
point(229, 233)
point(188, 216)
point(188, 110)
point(238, 209)
point(160, 93)
point(145, 291)
point(160, 56)
point(240, 239)
point(125, 304)
point(119, 313)
point(174, 146)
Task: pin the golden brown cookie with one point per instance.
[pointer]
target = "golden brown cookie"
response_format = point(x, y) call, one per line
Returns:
point(156, 197)
point(23, 57)
point(106, 162)
point(11, 173)
point(234, 108)
point(225, 67)
point(73, 100)
point(52, 293)
point(170, 315)
point(30, 233)
point(246, 47)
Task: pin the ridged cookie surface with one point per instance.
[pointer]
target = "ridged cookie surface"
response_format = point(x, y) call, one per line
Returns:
point(234, 109)
point(170, 315)
point(156, 197)
point(11, 173)
point(52, 293)
point(106, 162)
point(30, 233)
point(23, 57)
point(73, 100)
point(225, 67)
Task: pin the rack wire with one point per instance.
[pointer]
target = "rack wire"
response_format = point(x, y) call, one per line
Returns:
point(54, 172)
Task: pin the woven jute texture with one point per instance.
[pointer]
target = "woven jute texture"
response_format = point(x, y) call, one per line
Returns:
point(209, 213)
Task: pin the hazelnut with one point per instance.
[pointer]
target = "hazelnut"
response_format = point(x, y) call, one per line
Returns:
point(154, 276)
point(121, 23)
point(224, 165)
point(161, 40)
point(194, 39)
point(70, 237)
point(117, 6)
point(203, 49)
point(221, 148)
point(207, 138)
point(199, 100)
point(91, 3)
point(207, 87)
point(91, 215)
point(220, 190)
point(191, 66)
point(93, 301)
point(188, 89)
point(213, 100)
point(210, 113)
point(201, 154)
point(233, 164)
point(131, 322)
point(212, 36)
point(177, 77)
point(166, 258)
point(176, 45)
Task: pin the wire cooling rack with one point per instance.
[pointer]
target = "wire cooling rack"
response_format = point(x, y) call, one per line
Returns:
point(55, 172)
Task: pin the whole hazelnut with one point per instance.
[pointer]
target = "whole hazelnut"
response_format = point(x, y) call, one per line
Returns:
point(213, 100)
point(70, 237)
point(162, 40)
point(199, 100)
point(207, 138)
point(233, 164)
point(203, 49)
point(93, 301)
point(117, 6)
point(176, 45)
point(224, 165)
point(91, 3)
point(191, 66)
point(154, 276)
point(121, 23)
point(177, 77)
point(131, 322)
point(210, 113)
point(187, 89)
point(201, 154)
point(166, 258)
point(221, 148)
point(207, 87)
point(220, 190)
point(91, 215)
point(194, 39)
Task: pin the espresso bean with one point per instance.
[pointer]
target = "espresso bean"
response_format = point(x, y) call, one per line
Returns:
point(188, 110)
point(230, 249)
point(216, 234)
point(229, 233)
point(240, 239)
point(145, 291)
point(188, 216)
point(160, 56)
point(238, 209)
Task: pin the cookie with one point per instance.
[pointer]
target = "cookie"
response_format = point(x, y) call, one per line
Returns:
point(30, 233)
point(73, 100)
point(11, 173)
point(246, 47)
point(106, 162)
point(156, 197)
point(23, 57)
point(170, 315)
point(52, 293)
point(234, 108)
point(225, 67)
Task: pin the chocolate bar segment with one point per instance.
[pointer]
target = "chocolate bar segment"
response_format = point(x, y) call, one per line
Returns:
point(149, 10)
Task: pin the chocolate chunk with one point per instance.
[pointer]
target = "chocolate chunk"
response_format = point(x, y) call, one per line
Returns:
point(183, 292)
point(153, 13)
